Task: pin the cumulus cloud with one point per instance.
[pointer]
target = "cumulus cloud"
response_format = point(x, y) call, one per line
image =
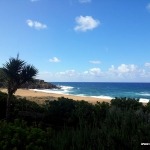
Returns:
point(35, 24)
point(126, 71)
point(68, 76)
point(93, 72)
point(112, 69)
point(86, 23)
point(85, 1)
point(147, 64)
point(120, 73)
point(123, 68)
point(54, 60)
point(94, 61)
point(68, 73)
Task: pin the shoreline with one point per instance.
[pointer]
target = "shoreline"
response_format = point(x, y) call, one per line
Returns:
point(40, 97)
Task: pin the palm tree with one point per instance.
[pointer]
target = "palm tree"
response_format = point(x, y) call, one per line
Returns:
point(16, 73)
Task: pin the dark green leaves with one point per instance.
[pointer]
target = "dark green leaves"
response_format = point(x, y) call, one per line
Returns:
point(18, 72)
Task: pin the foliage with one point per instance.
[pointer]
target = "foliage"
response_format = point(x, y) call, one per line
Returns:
point(59, 112)
point(100, 112)
point(15, 73)
point(18, 135)
point(75, 125)
point(21, 108)
point(126, 103)
point(3, 99)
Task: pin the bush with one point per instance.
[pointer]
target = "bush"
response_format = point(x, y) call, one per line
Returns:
point(21, 108)
point(84, 113)
point(123, 124)
point(126, 103)
point(100, 110)
point(18, 135)
point(65, 111)
point(3, 99)
point(59, 112)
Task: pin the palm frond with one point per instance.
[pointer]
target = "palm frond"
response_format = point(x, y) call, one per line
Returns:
point(18, 72)
point(13, 68)
point(28, 73)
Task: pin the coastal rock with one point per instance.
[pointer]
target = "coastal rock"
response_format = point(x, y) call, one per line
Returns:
point(36, 84)
point(39, 84)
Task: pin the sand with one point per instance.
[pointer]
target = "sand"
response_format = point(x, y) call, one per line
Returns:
point(40, 97)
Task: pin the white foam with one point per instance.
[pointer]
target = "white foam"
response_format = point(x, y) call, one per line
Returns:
point(144, 94)
point(66, 88)
point(62, 90)
point(143, 100)
point(49, 91)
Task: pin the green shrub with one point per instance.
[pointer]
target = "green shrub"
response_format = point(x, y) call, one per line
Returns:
point(123, 124)
point(21, 108)
point(100, 111)
point(59, 112)
point(84, 113)
point(3, 99)
point(126, 103)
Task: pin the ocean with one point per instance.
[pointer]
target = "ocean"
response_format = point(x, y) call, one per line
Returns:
point(104, 89)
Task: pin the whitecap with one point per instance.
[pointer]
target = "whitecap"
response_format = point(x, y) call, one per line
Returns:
point(66, 87)
point(62, 90)
point(48, 91)
point(144, 94)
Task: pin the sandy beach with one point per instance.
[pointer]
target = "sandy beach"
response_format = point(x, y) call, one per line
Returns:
point(40, 97)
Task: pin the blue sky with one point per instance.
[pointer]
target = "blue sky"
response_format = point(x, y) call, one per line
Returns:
point(79, 40)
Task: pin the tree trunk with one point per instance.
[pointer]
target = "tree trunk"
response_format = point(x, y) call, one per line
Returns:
point(8, 106)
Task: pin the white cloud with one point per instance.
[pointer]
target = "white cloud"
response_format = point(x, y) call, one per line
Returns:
point(54, 60)
point(86, 23)
point(123, 68)
point(35, 24)
point(85, 1)
point(112, 69)
point(123, 71)
point(93, 72)
point(147, 64)
point(120, 73)
point(95, 61)
point(68, 73)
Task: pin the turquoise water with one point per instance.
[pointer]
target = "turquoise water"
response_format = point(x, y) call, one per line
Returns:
point(105, 89)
